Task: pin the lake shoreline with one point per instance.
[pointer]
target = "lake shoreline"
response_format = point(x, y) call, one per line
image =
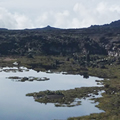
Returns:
point(110, 72)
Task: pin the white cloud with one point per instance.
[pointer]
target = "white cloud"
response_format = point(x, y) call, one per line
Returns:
point(62, 18)
point(100, 13)
point(101, 8)
point(107, 12)
point(6, 19)
point(63, 14)
point(83, 16)
point(43, 19)
point(53, 18)
point(13, 21)
point(22, 21)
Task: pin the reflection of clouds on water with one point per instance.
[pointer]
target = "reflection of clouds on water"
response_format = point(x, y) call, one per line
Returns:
point(15, 105)
point(13, 69)
point(57, 81)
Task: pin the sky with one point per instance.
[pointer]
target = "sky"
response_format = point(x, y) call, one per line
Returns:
point(21, 14)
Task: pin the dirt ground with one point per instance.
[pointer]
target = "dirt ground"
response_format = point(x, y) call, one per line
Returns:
point(8, 59)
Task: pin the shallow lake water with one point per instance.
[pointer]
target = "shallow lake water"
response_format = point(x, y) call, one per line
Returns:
point(15, 105)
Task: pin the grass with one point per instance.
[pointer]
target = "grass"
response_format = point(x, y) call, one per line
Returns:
point(110, 102)
point(68, 96)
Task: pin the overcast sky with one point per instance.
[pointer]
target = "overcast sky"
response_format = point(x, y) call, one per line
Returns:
point(20, 14)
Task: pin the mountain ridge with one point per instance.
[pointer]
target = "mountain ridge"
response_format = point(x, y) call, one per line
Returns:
point(101, 40)
point(48, 27)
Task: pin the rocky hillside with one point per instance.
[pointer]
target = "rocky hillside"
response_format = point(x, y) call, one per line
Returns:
point(101, 40)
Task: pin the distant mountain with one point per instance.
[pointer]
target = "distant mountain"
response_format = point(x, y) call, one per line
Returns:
point(3, 29)
point(114, 24)
point(49, 28)
point(44, 28)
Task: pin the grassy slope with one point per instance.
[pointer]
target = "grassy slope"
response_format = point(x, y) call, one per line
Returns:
point(110, 102)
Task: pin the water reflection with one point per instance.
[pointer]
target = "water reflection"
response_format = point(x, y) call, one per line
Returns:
point(13, 69)
point(16, 106)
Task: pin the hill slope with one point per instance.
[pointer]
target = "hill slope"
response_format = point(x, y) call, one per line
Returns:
point(101, 40)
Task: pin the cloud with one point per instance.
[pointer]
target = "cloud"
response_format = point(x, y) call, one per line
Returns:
point(100, 13)
point(43, 19)
point(6, 19)
point(74, 15)
point(22, 21)
point(13, 21)
point(107, 12)
point(83, 16)
point(80, 15)
point(53, 18)
point(62, 18)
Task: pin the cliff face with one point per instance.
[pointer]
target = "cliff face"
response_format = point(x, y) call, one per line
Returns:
point(101, 40)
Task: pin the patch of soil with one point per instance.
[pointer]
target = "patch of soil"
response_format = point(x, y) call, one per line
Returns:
point(8, 59)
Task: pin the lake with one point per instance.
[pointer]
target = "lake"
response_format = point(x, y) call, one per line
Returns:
point(15, 105)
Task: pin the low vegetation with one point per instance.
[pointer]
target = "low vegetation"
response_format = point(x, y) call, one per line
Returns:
point(65, 98)
point(110, 102)
point(31, 78)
